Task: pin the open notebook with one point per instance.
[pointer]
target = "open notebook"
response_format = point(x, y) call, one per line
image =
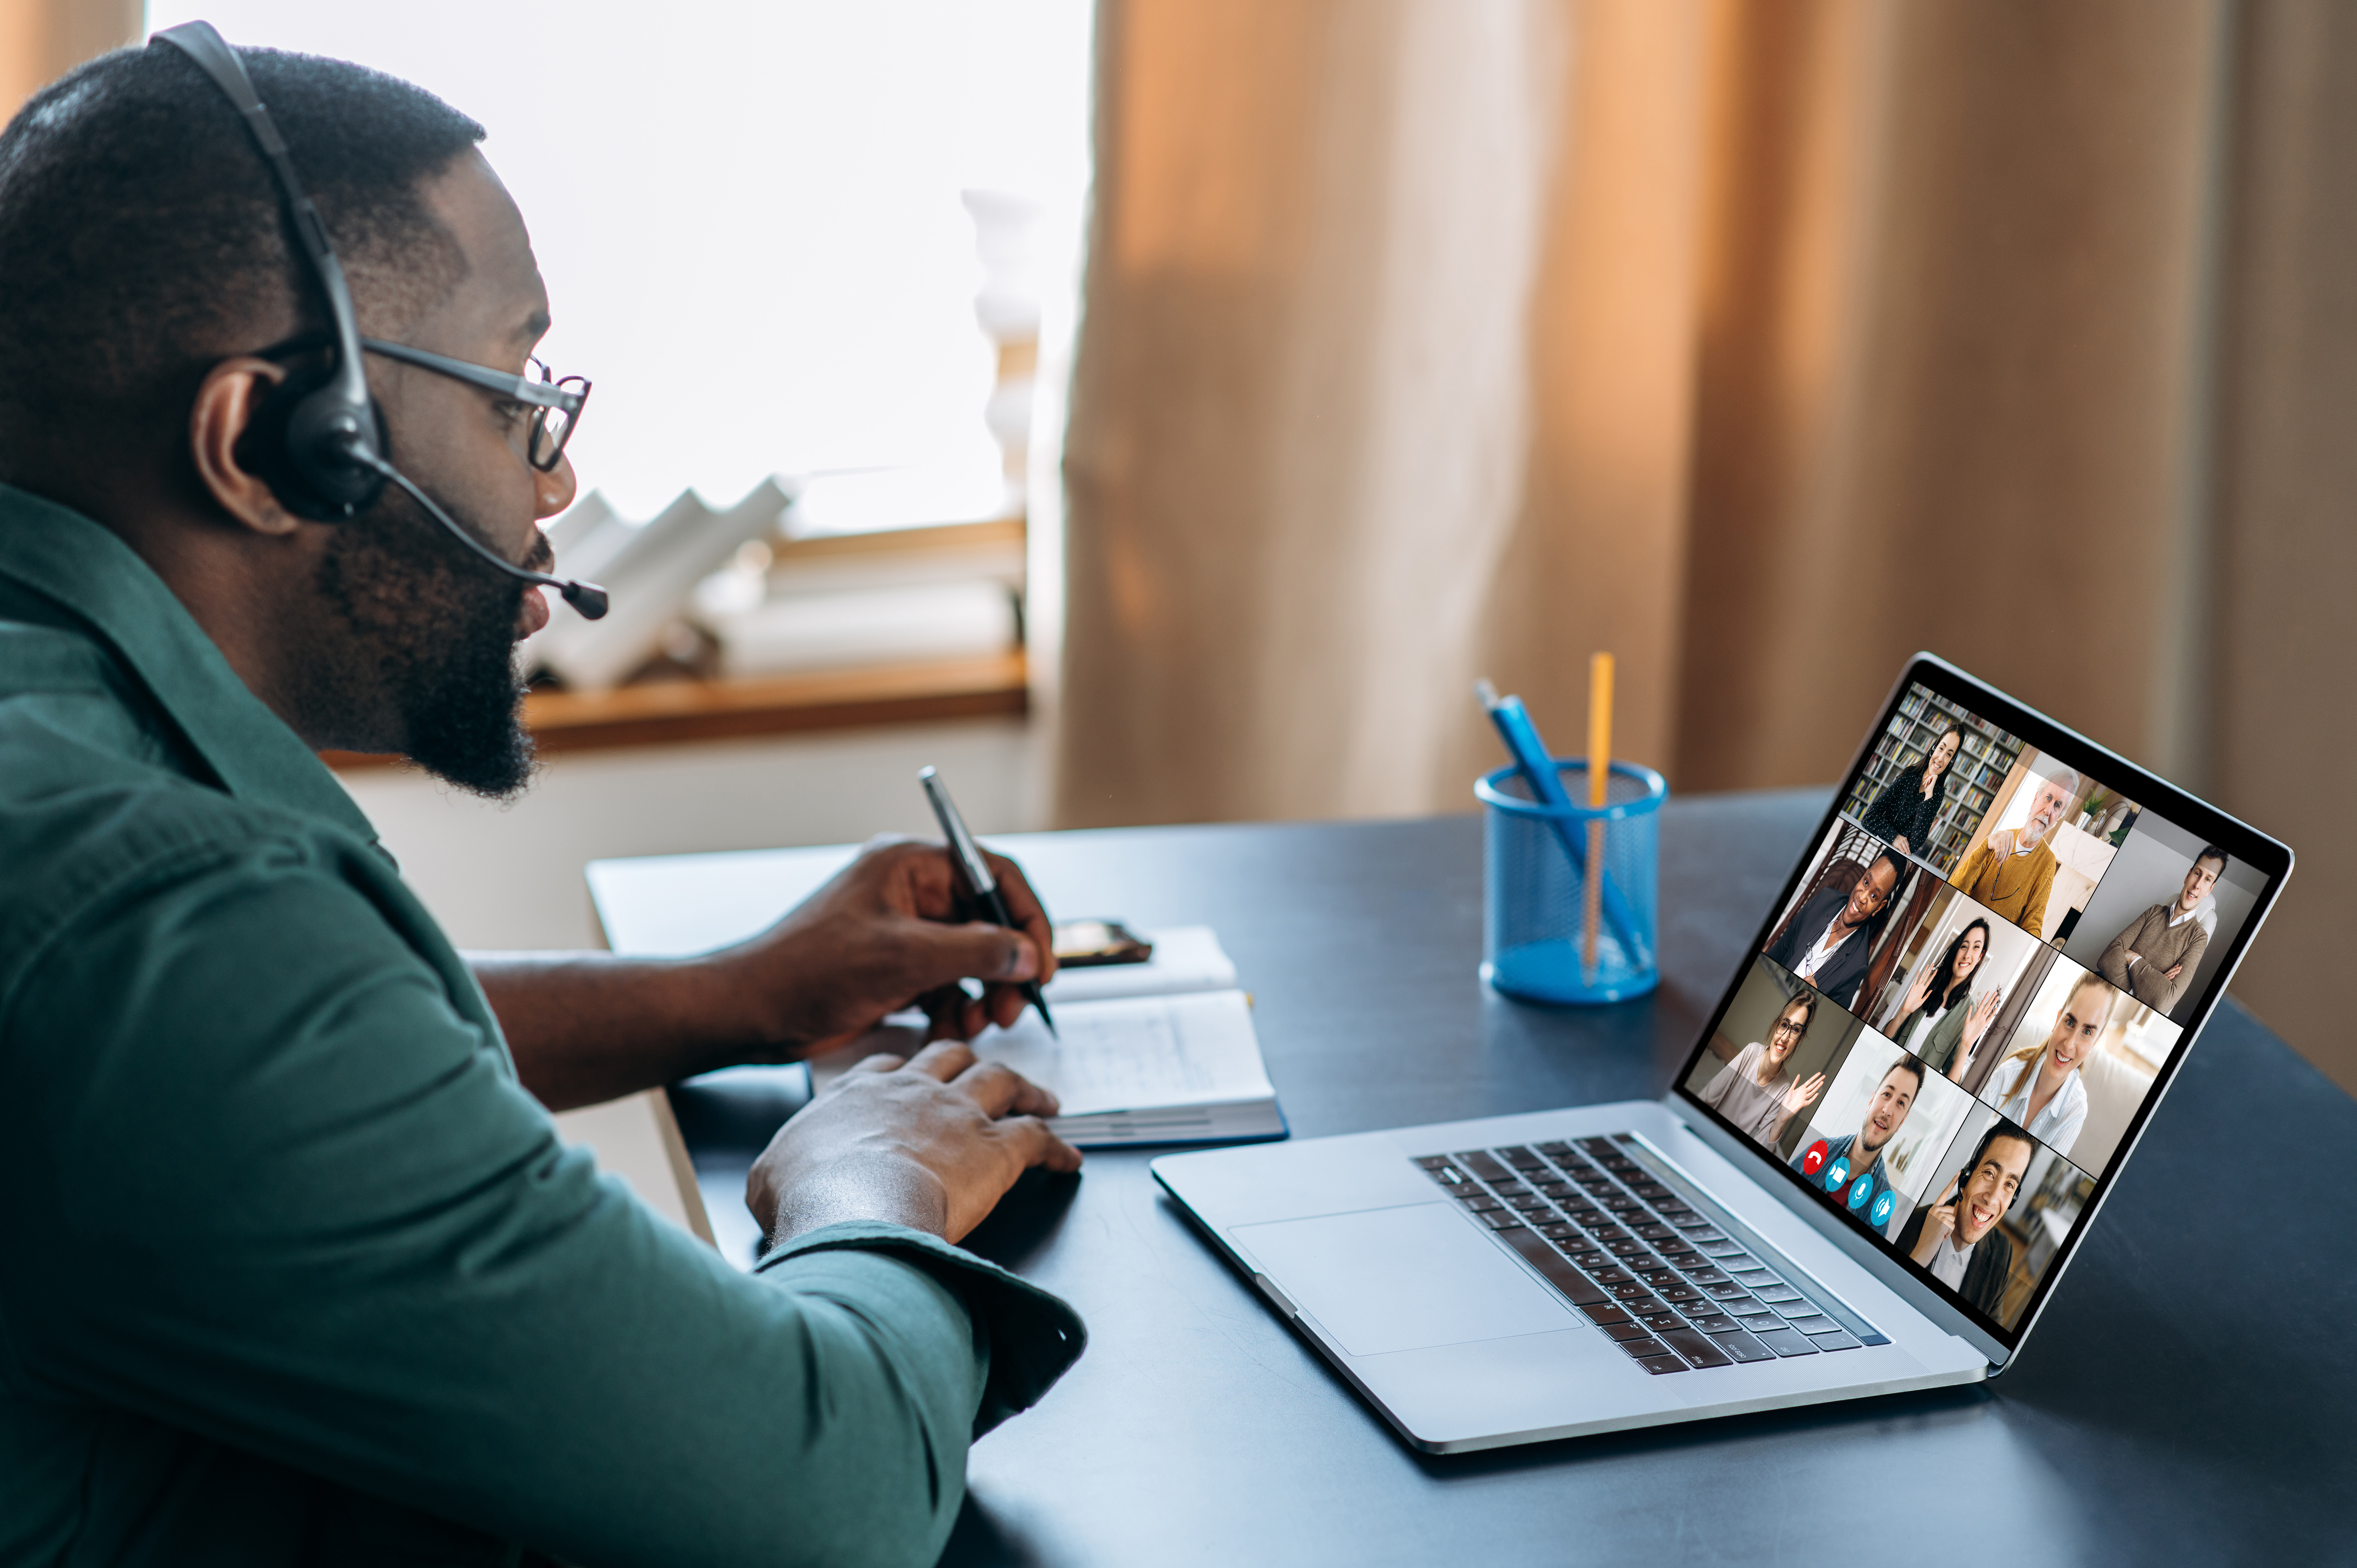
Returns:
point(1160, 1052)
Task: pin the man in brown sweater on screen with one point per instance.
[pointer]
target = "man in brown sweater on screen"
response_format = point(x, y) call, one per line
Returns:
point(2154, 960)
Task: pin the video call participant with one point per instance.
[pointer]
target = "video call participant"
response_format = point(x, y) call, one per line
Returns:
point(1885, 1112)
point(1827, 940)
point(2038, 1087)
point(1754, 1092)
point(1939, 1020)
point(2013, 871)
point(1956, 1240)
point(2153, 958)
point(299, 1269)
point(1904, 815)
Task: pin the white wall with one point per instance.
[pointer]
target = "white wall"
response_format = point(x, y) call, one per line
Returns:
point(509, 875)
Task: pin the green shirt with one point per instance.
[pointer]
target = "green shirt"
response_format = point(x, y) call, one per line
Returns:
point(293, 1269)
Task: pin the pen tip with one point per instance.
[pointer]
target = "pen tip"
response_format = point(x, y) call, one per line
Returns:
point(924, 773)
point(1486, 692)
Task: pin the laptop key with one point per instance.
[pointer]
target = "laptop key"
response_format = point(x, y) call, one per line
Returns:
point(1655, 1233)
point(1742, 1346)
point(1505, 1219)
point(1523, 1159)
point(1552, 1267)
point(1785, 1341)
point(1479, 1163)
point(1704, 1275)
point(1697, 1348)
point(1723, 1290)
point(1777, 1293)
point(1719, 1249)
point(1465, 1188)
point(1556, 1230)
point(1554, 1149)
point(1657, 1365)
point(1432, 1162)
point(1608, 1275)
point(1714, 1322)
point(1619, 1331)
point(1557, 1190)
point(1477, 1201)
point(1604, 1312)
point(1833, 1340)
point(1528, 1202)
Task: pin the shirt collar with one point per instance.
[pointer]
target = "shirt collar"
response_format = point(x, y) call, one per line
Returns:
point(67, 558)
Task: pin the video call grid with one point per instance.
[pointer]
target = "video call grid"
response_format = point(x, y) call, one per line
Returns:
point(2017, 1196)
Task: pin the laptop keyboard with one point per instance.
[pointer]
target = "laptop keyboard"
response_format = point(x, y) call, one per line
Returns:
point(1663, 1280)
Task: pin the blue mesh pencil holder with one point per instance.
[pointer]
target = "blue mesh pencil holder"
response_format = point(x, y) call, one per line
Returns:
point(1534, 887)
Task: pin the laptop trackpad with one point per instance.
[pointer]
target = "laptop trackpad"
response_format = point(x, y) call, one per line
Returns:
point(1401, 1279)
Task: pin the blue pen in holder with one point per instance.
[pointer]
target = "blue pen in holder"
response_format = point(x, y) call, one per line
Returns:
point(1535, 870)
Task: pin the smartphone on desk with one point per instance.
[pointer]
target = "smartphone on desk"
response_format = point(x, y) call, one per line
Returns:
point(1087, 944)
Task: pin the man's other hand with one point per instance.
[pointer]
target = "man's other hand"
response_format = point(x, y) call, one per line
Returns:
point(895, 928)
point(930, 1143)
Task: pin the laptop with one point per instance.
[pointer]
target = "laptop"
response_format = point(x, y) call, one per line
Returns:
point(1872, 1171)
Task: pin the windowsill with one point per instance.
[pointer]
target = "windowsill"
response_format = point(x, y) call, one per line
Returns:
point(661, 712)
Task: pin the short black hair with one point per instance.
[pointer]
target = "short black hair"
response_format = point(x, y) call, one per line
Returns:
point(142, 237)
point(1905, 1063)
point(2000, 1128)
point(2212, 852)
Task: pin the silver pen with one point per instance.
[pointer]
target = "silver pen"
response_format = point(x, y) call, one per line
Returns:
point(977, 875)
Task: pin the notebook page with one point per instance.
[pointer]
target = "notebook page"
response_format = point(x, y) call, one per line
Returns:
point(1121, 1054)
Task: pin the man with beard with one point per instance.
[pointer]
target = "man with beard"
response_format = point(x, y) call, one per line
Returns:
point(1955, 1240)
point(297, 1270)
point(2013, 871)
point(1840, 1165)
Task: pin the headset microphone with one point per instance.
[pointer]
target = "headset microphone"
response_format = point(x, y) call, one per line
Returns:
point(587, 597)
point(318, 439)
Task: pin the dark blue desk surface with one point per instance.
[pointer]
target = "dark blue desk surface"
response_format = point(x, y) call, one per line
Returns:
point(2189, 1396)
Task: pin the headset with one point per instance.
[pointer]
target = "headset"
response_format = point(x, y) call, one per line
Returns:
point(320, 439)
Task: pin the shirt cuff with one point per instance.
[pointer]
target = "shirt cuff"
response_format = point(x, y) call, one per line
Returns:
point(1027, 1337)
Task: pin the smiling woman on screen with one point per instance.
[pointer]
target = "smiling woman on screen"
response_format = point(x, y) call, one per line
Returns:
point(2038, 1086)
point(1904, 814)
point(1753, 1090)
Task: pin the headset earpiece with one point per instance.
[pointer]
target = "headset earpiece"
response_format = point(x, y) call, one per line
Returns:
point(297, 444)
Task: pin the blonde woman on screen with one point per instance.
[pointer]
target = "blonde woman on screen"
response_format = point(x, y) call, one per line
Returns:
point(2038, 1087)
point(1753, 1090)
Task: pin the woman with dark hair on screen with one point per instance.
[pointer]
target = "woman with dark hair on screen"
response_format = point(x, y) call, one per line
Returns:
point(1905, 813)
point(1938, 1014)
point(1754, 1092)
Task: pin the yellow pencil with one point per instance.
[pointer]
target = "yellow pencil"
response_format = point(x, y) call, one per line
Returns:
point(1599, 773)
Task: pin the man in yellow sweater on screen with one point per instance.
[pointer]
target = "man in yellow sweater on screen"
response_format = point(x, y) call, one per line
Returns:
point(2013, 871)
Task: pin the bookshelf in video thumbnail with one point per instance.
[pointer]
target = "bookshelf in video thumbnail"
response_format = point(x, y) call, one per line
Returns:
point(1987, 756)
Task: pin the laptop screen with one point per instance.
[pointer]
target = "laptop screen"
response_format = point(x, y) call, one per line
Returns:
point(1992, 955)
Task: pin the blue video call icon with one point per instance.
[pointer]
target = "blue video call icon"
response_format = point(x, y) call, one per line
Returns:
point(1836, 1173)
point(1860, 1190)
point(1880, 1215)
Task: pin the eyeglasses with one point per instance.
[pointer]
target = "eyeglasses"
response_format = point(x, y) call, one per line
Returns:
point(555, 403)
point(1786, 1027)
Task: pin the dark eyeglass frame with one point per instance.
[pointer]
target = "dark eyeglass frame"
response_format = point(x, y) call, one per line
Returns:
point(542, 451)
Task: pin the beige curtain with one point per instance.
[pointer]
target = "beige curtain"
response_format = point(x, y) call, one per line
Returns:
point(1761, 341)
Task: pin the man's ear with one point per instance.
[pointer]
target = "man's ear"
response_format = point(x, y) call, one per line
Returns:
point(231, 394)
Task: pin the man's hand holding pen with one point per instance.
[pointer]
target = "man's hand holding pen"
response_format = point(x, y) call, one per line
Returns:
point(896, 928)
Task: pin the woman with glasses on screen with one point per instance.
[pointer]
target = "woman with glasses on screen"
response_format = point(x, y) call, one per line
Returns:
point(1904, 815)
point(1754, 1092)
point(1938, 1013)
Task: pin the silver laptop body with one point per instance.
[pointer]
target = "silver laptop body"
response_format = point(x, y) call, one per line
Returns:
point(1432, 1268)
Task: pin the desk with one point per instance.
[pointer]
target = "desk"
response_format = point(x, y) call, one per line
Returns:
point(2191, 1395)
